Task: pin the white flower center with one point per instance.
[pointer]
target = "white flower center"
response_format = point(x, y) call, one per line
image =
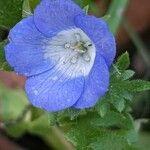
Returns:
point(73, 51)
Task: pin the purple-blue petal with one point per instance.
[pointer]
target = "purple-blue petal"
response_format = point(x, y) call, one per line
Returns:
point(96, 84)
point(53, 16)
point(25, 52)
point(99, 33)
point(52, 91)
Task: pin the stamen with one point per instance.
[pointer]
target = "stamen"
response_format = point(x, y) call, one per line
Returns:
point(71, 49)
point(74, 59)
point(67, 45)
point(87, 58)
point(88, 44)
point(78, 37)
point(80, 48)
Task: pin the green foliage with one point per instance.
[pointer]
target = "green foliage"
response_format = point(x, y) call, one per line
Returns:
point(17, 130)
point(116, 10)
point(2, 57)
point(123, 61)
point(3, 64)
point(28, 7)
point(108, 125)
point(112, 140)
point(91, 131)
point(86, 9)
point(10, 12)
point(9, 101)
point(83, 3)
point(13, 105)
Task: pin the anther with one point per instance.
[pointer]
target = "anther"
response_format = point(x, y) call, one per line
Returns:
point(86, 58)
point(88, 44)
point(78, 37)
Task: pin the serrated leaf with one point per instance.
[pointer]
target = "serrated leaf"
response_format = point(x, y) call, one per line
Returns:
point(70, 114)
point(113, 119)
point(123, 61)
point(86, 9)
point(88, 128)
point(10, 12)
point(137, 85)
point(127, 95)
point(80, 131)
point(118, 102)
point(127, 74)
point(103, 107)
point(52, 118)
point(109, 141)
point(28, 7)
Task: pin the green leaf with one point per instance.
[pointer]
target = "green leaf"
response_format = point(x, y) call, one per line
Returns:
point(103, 106)
point(110, 140)
point(3, 63)
point(91, 127)
point(86, 9)
point(114, 119)
point(127, 74)
point(116, 10)
point(118, 102)
point(29, 6)
point(26, 9)
point(123, 61)
point(82, 3)
point(10, 12)
point(137, 85)
point(12, 103)
point(2, 55)
point(40, 125)
point(127, 95)
point(17, 130)
point(80, 131)
point(14, 111)
point(52, 118)
point(51, 135)
point(33, 4)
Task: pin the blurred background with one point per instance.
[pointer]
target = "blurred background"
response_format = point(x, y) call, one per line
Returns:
point(132, 33)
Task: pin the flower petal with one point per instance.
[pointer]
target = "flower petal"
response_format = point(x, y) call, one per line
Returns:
point(53, 91)
point(53, 16)
point(96, 84)
point(25, 52)
point(99, 33)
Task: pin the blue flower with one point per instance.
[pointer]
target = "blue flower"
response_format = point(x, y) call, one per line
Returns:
point(65, 55)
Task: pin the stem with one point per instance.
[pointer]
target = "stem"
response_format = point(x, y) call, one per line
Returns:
point(142, 49)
